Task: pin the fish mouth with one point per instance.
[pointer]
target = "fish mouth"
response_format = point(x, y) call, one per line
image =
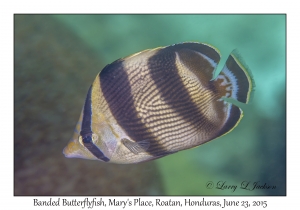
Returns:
point(66, 152)
point(70, 151)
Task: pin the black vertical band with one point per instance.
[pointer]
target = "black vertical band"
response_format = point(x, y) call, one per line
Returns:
point(116, 89)
point(87, 115)
point(86, 129)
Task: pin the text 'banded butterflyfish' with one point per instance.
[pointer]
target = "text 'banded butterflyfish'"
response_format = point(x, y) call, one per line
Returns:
point(158, 102)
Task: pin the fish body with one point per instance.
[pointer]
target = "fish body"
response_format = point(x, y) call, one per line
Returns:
point(158, 102)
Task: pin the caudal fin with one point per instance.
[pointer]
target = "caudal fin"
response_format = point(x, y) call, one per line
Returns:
point(235, 80)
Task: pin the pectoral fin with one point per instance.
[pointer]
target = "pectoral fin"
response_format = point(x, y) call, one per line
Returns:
point(136, 147)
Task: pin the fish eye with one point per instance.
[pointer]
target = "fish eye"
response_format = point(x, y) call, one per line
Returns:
point(94, 138)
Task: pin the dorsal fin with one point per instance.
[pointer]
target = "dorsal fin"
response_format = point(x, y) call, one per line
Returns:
point(201, 59)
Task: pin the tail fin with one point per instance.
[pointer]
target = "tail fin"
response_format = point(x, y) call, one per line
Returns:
point(235, 79)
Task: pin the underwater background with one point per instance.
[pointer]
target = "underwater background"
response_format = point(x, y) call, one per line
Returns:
point(57, 57)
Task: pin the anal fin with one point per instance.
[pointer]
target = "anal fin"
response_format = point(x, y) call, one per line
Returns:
point(136, 147)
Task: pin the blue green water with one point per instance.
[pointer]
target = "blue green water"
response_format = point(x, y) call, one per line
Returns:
point(255, 151)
